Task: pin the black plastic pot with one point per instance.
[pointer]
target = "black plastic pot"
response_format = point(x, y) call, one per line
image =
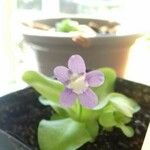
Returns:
point(20, 113)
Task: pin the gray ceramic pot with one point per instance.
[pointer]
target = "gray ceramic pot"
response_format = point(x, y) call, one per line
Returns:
point(54, 49)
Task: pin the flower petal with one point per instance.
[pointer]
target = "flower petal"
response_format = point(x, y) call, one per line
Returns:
point(88, 99)
point(67, 98)
point(76, 64)
point(61, 73)
point(95, 78)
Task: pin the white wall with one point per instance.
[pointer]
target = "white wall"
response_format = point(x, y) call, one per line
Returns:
point(6, 55)
point(50, 7)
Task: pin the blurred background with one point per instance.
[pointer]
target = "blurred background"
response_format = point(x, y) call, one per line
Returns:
point(13, 57)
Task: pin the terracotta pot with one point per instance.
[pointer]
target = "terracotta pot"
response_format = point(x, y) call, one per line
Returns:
point(103, 50)
point(20, 113)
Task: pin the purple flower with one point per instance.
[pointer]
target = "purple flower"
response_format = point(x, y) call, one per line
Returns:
point(77, 83)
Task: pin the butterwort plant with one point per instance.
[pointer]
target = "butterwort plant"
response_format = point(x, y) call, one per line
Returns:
point(82, 103)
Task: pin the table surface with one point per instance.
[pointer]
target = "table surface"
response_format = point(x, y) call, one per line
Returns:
point(147, 139)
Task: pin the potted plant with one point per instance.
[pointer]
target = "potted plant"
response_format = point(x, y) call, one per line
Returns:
point(54, 42)
point(84, 111)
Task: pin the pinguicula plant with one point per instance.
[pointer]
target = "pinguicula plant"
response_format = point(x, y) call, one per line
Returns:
point(83, 104)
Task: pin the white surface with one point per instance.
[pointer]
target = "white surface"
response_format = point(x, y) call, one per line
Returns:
point(146, 140)
point(138, 66)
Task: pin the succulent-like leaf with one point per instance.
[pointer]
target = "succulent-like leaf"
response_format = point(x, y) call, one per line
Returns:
point(47, 87)
point(108, 85)
point(67, 25)
point(63, 134)
point(127, 130)
point(107, 120)
point(58, 109)
point(121, 118)
point(124, 104)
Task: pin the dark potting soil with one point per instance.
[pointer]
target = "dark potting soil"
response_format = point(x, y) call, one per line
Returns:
point(116, 140)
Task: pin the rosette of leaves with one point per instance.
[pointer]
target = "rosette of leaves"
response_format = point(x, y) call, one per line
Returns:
point(70, 128)
point(67, 25)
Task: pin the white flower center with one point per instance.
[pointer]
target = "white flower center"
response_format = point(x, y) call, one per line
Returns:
point(77, 83)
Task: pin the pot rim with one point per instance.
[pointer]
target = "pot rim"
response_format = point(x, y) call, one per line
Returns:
point(28, 31)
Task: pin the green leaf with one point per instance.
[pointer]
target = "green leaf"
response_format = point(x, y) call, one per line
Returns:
point(88, 114)
point(47, 87)
point(102, 104)
point(121, 118)
point(106, 116)
point(109, 116)
point(47, 102)
point(67, 25)
point(107, 119)
point(127, 130)
point(92, 127)
point(124, 104)
point(61, 111)
point(83, 114)
point(64, 134)
point(108, 85)
point(56, 116)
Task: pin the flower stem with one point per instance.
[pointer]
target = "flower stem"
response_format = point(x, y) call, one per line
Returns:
point(79, 110)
